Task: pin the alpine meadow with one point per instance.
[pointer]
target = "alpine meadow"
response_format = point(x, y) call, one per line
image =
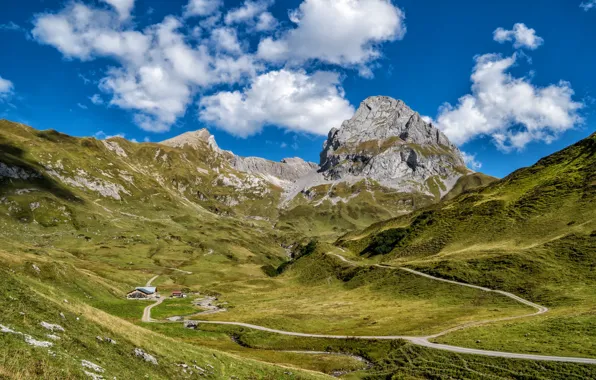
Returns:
point(153, 231)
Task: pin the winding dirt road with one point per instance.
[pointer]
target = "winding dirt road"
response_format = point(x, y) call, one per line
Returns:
point(539, 309)
point(147, 311)
point(420, 341)
point(151, 280)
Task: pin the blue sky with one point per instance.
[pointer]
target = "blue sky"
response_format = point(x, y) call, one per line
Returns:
point(270, 78)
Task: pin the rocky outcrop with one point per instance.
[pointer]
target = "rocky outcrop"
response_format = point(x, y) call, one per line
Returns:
point(281, 174)
point(196, 139)
point(388, 142)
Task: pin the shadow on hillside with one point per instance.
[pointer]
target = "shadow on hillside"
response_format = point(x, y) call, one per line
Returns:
point(13, 158)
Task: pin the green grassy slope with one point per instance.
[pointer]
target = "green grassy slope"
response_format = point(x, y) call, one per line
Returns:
point(149, 178)
point(469, 182)
point(320, 294)
point(532, 233)
point(33, 295)
point(329, 211)
point(99, 218)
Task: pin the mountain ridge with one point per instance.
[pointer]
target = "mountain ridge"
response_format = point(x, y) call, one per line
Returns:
point(385, 141)
point(192, 170)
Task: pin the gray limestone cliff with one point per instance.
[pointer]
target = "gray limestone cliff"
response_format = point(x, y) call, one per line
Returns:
point(281, 174)
point(390, 143)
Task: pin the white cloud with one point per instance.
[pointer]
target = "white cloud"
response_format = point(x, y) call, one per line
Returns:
point(342, 32)
point(82, 106)
point(82, 32)
point(226, 40)
point(291, 100)
point(521, 36)
point(254, 15)
point(96, 99)
point(202, 8)
point(248, 12)
point(471, 162)
point(587, 5)
point(427, 119)
point(510, 110)
point(159, 96)
point(123, 7)
point(159, 70)
point(266, 22)
point(6, 87)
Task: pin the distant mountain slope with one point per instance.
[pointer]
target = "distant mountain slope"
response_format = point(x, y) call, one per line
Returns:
point(117, 170)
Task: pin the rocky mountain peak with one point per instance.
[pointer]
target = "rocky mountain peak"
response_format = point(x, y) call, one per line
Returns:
point(389, 142)
point(194, 139)
point(381, 118)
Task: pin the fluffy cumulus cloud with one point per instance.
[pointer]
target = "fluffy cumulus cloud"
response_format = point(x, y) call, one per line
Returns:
point(202, 8)
point(520, 35)
point(159, 71)
point(226, 39)
point(289, 99)
point(82, 32)
point(123, 7)
point(587, 5)
point(251, 13)
point(340, 32)
point(265, 22)
point(511, 110)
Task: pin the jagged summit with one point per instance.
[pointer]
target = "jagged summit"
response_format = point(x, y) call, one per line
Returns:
point(281, 174)
point(380, 118)
point(389, 142)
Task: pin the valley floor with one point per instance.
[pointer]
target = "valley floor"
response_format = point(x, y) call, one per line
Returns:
point(424, 341)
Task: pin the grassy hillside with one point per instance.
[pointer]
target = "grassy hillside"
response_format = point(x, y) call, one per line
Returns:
point(329, 211)
point(33, 292)
point(120, 172)
point(532, 233)
point(320, 294)
point(469, 182)
point(86, 221)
